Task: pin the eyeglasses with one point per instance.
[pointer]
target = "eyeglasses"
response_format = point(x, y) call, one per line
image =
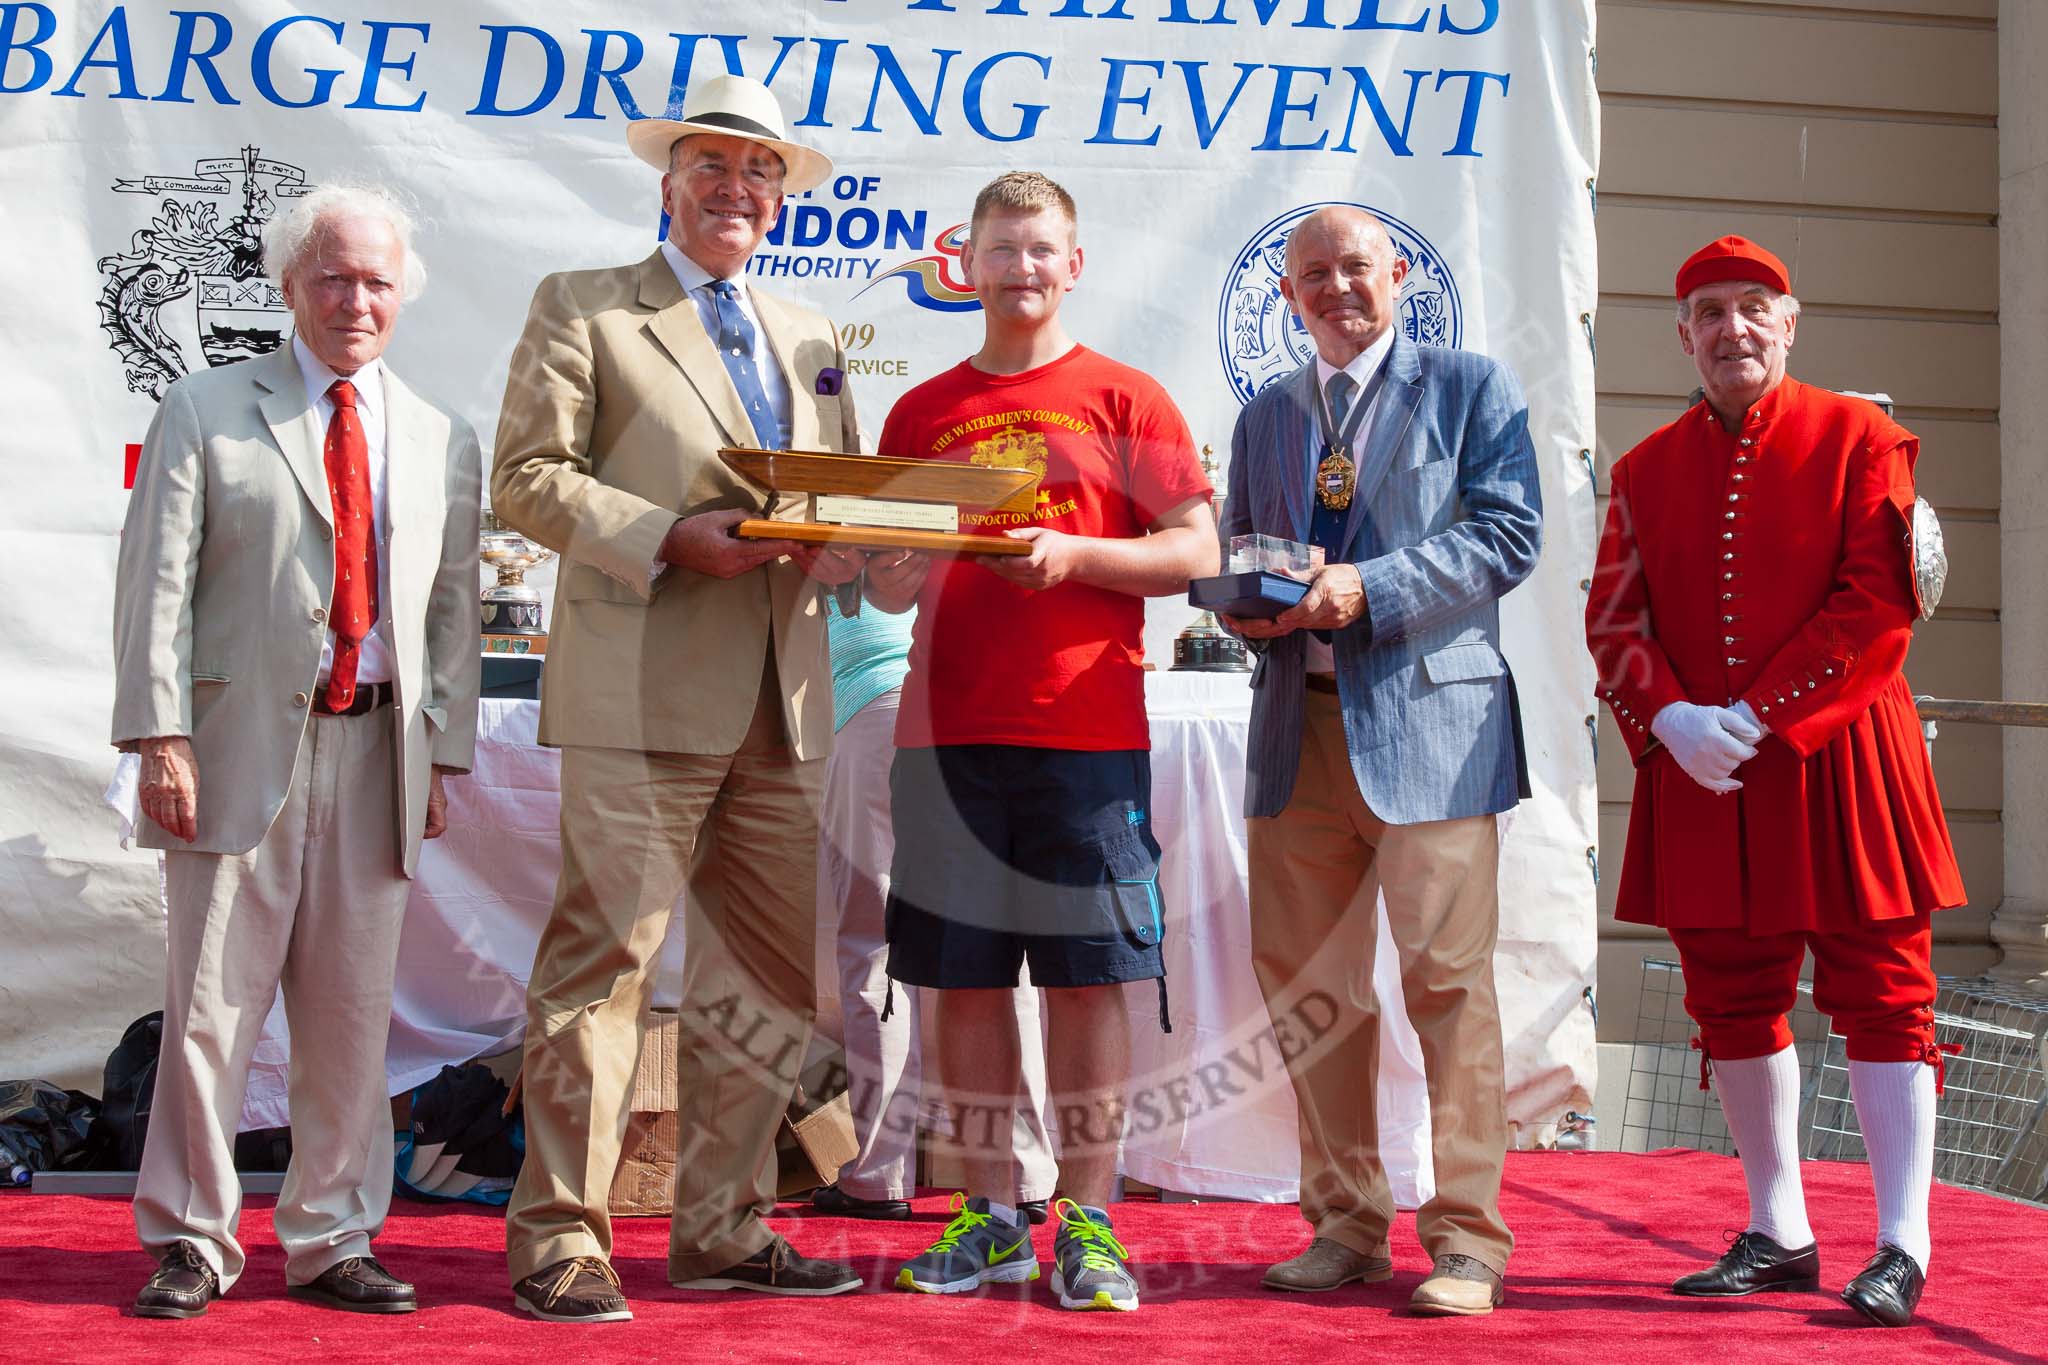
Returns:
point(755, 176)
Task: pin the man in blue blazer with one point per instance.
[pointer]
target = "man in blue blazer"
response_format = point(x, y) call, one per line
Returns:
point(1384, 743)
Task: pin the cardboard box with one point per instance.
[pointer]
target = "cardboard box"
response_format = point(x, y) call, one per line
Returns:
point(645, 1183)
point(816, 1137)
point(810, 1150)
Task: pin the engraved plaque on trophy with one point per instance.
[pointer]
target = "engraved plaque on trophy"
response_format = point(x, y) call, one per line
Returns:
point(876, 503)
point(511, 608)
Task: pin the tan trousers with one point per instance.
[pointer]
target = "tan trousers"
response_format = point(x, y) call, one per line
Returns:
point(630, 823)
point(314, 908)
point(885, 1077)
point(1317, 870)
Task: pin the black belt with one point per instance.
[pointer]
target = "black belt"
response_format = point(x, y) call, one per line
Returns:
point(369, 696)
point(1321, 682)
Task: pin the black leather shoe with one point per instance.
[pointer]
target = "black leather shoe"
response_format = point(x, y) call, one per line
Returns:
point(1034, 1209)
point(357, 1285)
point(1888, 1289)
point(182, 1286)
point(1754, 1262)
point(780, 1268)
point(832, 1199)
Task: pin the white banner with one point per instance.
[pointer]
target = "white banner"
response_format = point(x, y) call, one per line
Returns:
point(143, 149)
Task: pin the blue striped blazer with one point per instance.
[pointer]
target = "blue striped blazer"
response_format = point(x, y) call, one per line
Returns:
point(1446, 518)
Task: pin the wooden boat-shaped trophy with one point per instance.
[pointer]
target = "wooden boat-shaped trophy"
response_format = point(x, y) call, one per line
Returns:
point(874, 502)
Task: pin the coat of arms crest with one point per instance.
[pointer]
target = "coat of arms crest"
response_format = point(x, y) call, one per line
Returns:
point(203, 245)
point(1012, 448)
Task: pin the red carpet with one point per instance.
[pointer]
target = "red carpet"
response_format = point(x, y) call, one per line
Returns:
point(1600, 1236)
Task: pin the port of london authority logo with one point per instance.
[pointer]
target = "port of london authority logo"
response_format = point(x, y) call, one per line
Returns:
point(1260, 338)
point(204, 242)
point(934, 281)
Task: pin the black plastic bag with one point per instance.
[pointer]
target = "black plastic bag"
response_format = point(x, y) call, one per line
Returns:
point(42, 1128)
point(122, 1126)
point(128, 1085)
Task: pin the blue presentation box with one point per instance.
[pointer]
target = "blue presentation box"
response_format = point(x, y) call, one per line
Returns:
point(1261, 595)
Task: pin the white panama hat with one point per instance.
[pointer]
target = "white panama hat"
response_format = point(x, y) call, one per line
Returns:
point(731, 106)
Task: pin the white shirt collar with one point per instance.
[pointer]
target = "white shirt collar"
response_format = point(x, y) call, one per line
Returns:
point(688, 273)
point(368, 381)
point(1363, 366)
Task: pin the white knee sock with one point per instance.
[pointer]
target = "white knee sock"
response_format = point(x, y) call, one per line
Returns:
point(1760, 1099)
point(1895, 1109)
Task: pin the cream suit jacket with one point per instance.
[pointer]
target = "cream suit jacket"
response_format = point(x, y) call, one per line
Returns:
point(615, 409)
point(226, 570)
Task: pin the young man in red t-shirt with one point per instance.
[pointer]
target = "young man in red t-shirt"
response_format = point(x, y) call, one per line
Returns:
point(1022, 783)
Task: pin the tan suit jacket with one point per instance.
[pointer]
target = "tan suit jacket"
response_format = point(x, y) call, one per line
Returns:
point(226, 570)
point(615, 409)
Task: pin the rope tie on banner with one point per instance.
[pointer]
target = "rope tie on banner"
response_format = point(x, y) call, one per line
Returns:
point(1699, 1045)
point(1933, 1054)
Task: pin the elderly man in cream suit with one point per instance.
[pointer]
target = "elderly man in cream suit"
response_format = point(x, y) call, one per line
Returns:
point(295, 642)
point(688, 689)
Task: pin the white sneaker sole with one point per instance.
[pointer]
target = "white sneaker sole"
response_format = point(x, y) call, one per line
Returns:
point(1102, 1300)
point(1009, 1272)
point(623, 1315)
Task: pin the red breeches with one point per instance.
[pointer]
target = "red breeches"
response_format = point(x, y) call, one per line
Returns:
point(1876, 982)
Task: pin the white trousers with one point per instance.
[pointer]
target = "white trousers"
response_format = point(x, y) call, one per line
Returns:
point(314, 908)
point(885, 1078)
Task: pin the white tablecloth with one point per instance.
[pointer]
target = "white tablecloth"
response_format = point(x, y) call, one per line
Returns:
point(1211, 1109)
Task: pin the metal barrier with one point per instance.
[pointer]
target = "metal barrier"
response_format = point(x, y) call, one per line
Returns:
point(1990, 1123)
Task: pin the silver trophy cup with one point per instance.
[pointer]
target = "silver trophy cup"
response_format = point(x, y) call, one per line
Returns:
point(1205, 647)
point(510, 606)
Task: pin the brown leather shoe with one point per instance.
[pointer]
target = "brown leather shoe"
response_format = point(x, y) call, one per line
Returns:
point(1459, 1287)
point(357, 1285)
point(580, 1289)
point(779, 1268)
point(182, 1286)
point(1325, 1265)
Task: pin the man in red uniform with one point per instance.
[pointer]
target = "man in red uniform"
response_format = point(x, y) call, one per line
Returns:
point(1749, 617)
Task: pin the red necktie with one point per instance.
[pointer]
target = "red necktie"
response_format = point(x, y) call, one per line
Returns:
point(353, 612)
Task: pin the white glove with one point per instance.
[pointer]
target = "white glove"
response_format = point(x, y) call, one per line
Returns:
point(1700, 738)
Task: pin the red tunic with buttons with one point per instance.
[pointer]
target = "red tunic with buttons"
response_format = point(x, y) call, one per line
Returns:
point(1773, 566)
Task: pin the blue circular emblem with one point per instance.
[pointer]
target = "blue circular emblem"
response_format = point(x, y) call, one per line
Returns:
point(1260, 338)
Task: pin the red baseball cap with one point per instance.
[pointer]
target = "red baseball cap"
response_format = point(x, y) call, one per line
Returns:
point(1732, 258)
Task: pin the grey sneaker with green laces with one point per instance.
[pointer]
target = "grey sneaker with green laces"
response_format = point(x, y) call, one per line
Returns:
point(1090, 1267)
point(977, 1248)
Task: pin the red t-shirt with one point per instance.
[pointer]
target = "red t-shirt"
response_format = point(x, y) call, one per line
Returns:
point(991, 663)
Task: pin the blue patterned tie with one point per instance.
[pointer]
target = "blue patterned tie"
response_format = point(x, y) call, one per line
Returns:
point(1326, 525)
point(736, 349)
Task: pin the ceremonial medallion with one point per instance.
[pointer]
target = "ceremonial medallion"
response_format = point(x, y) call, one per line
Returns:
point(1336, 476)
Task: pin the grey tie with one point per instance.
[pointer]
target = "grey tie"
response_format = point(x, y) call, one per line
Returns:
point(1341, 387)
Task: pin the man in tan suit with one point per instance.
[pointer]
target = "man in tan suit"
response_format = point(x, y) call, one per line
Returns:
point(295, 619)
point(689, 691)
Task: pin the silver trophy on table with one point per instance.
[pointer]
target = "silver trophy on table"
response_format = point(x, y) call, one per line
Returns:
point(1205, 647)
point(510, 606)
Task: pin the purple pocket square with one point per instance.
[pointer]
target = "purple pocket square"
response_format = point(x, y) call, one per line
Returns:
point(831, 380)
